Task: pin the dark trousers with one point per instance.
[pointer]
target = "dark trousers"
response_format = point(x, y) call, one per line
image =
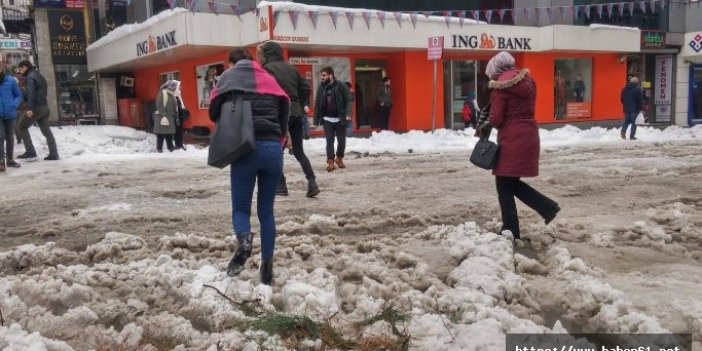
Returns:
point(296, 126)
point(178, 136)
point(41, 117)
point(385, 117)
point(265, 165)
point(335, 130)
point(159, 141)
point(630, 119)
point(7, 137)
point(510, 187)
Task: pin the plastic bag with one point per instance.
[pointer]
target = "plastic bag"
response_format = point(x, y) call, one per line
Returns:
point(640, 119)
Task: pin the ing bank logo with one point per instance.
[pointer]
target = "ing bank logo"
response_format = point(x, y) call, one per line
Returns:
point(696, 43)
point(487, 41)
point(152, 44)
point(263, 25)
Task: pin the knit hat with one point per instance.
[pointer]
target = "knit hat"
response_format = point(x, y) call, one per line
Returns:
point(499, 63)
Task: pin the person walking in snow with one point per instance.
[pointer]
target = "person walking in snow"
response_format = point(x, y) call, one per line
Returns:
point(512, 99)
point(182, 115)
point(333, 108)
point(165, 116)
point(10, 99)
point(270, 107)
point(270, 56)
point(37, 112)
point(632, 101)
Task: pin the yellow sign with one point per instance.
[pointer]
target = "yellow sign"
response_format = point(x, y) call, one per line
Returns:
point(646, 85)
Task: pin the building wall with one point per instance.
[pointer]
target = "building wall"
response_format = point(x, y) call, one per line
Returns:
point(45, 62)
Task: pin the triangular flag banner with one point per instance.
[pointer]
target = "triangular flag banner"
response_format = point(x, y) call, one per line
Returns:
point(609, 10)
point(413, 19)
point(293, 17)
point(488, 15)
point(621, 9)
point(275, 18)
point(190, 4)
point(398, 18)
point(234, 8)
point(642, 6)
point(381, 17)
point(576, 9)
point(653, 6)
point(427, 13)
point(598, 9)
point(461, 17)
point(366, 17)
point(561, 11)
point(475, 14)
point(587, 11)
point(334, 15)
point(515, 15)
point(549, 11)
point(350, 16)
point(537, 13)
point(631, 8)
point(526, 14)
point(171, 4)
point(213, 7)
point(447, 17)
point(313, 17)
point(501, 13)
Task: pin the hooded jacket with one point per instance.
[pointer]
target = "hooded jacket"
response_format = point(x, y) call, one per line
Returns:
point(298, 89)
point(513, 100)
point(631, 98)
point(10, 97)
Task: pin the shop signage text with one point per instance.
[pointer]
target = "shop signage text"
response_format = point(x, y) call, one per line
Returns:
point(491, 42)
point(435, 48)
point(652, 39)
point(291, 39)
point(304, 61)
point(67, 33)
point(578, 110)
point(156, 43)
point(663, 80)
point(15, 44)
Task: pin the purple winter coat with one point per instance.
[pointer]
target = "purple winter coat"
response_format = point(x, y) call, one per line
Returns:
point(513, 99)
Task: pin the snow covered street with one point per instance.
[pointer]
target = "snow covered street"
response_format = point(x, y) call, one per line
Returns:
point(117, 246)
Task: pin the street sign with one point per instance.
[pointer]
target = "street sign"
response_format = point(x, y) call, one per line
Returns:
point(435, 48)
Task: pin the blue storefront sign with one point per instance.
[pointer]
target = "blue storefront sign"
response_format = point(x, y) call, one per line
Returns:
point(50, 3)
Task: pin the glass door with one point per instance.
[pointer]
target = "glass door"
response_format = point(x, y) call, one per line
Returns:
point(460, 77)
point(695, 107)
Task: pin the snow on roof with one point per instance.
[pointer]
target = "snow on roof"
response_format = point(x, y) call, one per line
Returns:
point(607, 26)
point(290, 6)
point(127, 29)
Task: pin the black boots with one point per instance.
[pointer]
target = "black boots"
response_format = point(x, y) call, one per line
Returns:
point(11, 163)
point(27, 155)
point(266, 271)
point(243, 252)
point(282, 187)
point(312, 188)
point(552, 215)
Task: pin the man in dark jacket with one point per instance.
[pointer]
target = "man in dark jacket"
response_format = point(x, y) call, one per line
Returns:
point(37, 111)
point(270, 55)
point(333, 107)
point(632, 102)
point(385, 102)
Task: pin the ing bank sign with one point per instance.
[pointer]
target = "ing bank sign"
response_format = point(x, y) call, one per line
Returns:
point(156, 43)
point(490, 42)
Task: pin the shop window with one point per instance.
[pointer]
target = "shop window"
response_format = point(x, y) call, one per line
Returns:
point(77, 93)
point(207, 77)
point(695, 113)
point(572, 88)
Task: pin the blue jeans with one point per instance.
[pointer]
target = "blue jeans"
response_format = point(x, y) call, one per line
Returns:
point(305, 127)
point(266, 164)
point(629, 118)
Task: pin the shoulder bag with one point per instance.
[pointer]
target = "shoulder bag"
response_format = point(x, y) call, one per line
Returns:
point(234, 133)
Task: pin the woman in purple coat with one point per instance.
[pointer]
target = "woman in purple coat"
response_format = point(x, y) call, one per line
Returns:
point(513, 97)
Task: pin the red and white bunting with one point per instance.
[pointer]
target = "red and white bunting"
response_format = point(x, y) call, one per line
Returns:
point(313, 17)
point(213, 7)
point(501, 14)
point(461, 17)
point(427, 13)
point(526, 14)
point(190, 4)
point(294, 15)
point(587, 10)
point(366, 17)
point(413, 19)
point(488, 15)
point(598, 10)
point(171, 4)
point(398, 18)
point(350, 16)
point(381, 17)
point(334, 15)
point(475, 14)
point(447, 17)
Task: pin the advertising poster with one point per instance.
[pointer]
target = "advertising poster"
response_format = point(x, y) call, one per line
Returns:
point(166, 76)
point(207, 77)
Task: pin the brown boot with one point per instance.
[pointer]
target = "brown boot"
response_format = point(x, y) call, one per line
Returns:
point(340, 162)
point(330, 166)
point(2, 164)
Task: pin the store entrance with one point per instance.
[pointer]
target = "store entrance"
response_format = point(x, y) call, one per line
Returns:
point(369, 75)
point(464, 80)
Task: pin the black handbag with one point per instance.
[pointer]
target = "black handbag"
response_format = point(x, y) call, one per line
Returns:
point(234, 133)
point(485, 152)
